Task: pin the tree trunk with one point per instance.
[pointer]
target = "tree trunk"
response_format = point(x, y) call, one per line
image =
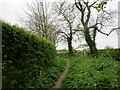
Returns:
point(70, 45)
point(90, 43)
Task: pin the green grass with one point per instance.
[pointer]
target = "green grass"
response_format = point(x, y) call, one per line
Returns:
point(86, 72)
point(62, 52)
point(49, 76)
point(44, 77)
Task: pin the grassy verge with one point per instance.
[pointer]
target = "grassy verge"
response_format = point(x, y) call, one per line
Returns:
point(85, 72)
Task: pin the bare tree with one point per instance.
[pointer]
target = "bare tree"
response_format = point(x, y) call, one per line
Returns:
point(100, 21)
point(66, 17)
point(38, 20)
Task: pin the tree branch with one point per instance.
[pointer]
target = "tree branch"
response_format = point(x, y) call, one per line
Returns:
point(102, 32)
point(89, 12)
point(77, 30)
point(76, 4)
point(63, 33)
point(81, 9)
point(93, 3)
point(109, 32)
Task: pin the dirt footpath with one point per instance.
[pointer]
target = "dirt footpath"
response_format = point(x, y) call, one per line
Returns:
point(59, 81)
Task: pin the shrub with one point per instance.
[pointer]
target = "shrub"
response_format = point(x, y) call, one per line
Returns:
point(113, 53)
point(23, 52)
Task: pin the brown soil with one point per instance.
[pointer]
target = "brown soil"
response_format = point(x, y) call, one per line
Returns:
point(59, 81)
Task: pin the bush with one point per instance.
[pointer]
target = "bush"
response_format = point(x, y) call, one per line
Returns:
point(23, 53)
point(113, 53)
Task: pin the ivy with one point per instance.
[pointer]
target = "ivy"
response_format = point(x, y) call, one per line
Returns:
point(101, 5)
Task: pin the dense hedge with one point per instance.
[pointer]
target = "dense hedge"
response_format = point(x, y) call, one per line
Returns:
point(24, 54)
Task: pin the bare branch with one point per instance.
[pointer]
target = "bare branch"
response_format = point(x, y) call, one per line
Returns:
point(113, 30)
point(81, 9)
point(102, 32)
point(60, 31)
point(88, 15)
point(93, 3)
point(77, 30)
point(109, 32)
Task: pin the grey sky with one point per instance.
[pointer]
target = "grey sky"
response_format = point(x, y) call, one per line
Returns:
point(10, 11)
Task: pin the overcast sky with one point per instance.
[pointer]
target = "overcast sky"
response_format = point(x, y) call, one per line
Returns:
point(10, 11)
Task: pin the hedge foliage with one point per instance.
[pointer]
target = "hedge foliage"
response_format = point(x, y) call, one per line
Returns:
point(23, 52)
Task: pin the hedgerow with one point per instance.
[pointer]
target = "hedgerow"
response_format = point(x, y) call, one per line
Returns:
point(24, 55)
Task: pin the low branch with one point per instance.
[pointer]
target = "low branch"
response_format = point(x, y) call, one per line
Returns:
point(113, 30)
point(109, 32)
point(102, 32)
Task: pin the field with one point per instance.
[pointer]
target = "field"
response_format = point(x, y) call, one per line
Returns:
point(89, 72)
point(84, 72)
